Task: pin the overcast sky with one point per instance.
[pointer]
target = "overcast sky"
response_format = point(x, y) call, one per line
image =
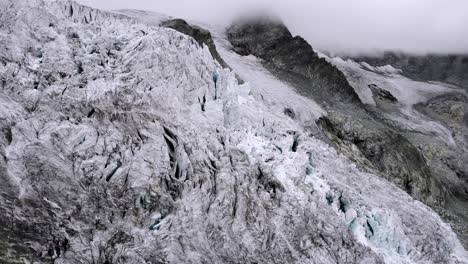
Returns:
point(336, 26)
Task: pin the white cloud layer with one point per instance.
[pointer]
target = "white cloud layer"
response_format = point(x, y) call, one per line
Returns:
point(337, 26)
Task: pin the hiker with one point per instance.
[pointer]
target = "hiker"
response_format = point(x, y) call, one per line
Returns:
point(215, 80)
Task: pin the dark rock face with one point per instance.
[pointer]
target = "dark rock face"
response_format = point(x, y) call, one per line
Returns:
point(452, 109)
point(382, 149)
point(382, 94)
point(446, 68)
point(271, 41)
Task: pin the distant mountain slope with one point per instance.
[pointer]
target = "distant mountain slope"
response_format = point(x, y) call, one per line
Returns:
point(432, 67)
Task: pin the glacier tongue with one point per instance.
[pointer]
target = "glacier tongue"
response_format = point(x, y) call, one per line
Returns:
point(115, 151)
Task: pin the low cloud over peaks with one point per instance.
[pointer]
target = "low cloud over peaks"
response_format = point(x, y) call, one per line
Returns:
point(337, 26)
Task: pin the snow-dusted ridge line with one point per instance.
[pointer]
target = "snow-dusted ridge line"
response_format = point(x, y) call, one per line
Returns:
point(119, 149)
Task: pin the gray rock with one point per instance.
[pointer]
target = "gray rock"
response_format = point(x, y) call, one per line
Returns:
point(286, 55)
point(382, 94)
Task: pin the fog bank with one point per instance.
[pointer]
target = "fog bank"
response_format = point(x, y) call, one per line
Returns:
point(337, 26)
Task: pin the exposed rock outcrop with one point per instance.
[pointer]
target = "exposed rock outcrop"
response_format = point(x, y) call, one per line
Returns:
point(271, 41)
point(452, 110)
point(382, 94)
point(381, 148)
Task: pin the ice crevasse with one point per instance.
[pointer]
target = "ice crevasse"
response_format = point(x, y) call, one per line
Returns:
point(118, 147)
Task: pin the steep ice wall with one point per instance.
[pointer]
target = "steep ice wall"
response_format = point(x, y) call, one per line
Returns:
point(115, 151)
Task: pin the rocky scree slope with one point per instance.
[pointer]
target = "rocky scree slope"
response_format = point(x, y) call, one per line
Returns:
point(114, 151)
point(382, 133)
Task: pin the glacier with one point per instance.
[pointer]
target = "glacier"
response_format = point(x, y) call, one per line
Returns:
point(114, 150)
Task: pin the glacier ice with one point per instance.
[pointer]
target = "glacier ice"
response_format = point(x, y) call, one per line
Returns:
point(108, 139)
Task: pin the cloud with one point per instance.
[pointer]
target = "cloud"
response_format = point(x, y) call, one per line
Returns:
point(337, 26)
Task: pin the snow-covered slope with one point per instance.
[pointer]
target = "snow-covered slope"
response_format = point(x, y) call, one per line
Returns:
point(115, 151)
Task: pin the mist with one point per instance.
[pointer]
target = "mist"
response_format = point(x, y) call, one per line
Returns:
point(336, 26)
